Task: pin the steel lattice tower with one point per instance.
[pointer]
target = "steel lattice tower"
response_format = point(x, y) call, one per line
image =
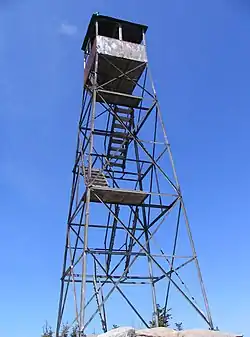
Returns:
point(127, 219)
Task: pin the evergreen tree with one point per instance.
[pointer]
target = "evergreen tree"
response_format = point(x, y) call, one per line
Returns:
point(74, 331)
point(178, 326)
point(47, 330)
point(65, 330)
point(163, 315)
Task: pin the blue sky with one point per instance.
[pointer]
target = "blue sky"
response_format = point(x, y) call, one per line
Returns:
point(199, 53)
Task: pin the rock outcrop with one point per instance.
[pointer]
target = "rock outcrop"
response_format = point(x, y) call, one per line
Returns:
point(163, 332)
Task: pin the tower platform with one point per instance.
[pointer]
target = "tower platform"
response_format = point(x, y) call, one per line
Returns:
point(117, 196)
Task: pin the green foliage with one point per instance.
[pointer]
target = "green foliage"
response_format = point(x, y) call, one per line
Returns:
point(47, 330)
point(65, 330)
point(178, 326)
point(74, 331)
point(163, 315)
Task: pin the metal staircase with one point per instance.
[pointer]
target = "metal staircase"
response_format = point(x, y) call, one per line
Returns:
point(119, 138)
point(97, 178)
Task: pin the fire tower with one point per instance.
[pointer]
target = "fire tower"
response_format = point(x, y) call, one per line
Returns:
point(128, 236)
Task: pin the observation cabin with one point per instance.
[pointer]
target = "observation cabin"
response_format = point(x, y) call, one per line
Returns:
point(122, 45)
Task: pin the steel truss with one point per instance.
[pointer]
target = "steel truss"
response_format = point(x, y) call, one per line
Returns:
point(120, 201)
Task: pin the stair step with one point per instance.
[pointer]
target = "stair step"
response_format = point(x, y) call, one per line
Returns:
point(119, 126)
point(113, 156)
point(103, 183)
point(118, 149)
point(97, 177)
point(117, 141)
point(125, 119)
point(116, 164)
point(93, 170)
point(120, 135)
point(95, 174)
point(124, 111)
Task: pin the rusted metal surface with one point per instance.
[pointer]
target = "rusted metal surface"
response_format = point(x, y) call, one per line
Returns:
point(118, 98)
point(122, 49)
point(117, 196)
point(119, 74)
point(90, 62)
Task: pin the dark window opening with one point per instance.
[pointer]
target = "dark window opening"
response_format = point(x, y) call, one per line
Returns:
point(130, 32)
point(109, 29)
